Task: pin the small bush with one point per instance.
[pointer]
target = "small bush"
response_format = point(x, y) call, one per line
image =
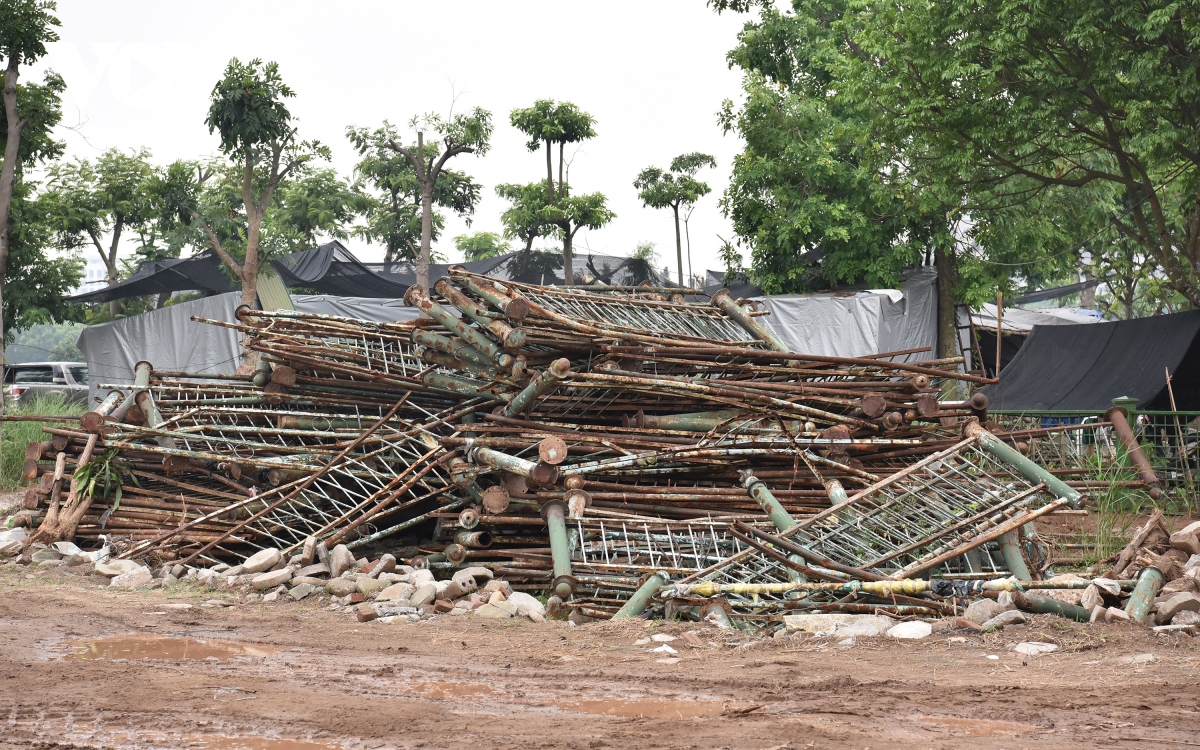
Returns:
point(16, 435)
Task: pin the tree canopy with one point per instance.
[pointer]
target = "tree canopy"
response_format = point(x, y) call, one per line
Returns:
point(675, 188)
point(481, 245)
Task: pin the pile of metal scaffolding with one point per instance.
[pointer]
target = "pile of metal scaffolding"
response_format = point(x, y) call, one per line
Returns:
point(591, 442)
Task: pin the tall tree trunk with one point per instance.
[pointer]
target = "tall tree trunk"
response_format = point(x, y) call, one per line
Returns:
point(1087, 297)
point(561, 190)
point(8, 181)
point(678, 243)
point(549, 175)
point(947, 276)
point(114, 275)
point(568, 258)
point(426, 234)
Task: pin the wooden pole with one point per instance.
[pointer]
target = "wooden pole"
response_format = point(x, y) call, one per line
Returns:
point(1187, 468)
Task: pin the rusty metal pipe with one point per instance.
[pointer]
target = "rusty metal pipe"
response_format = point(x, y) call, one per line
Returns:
point(547, 381)
point(724, 300)
point(1119, 419)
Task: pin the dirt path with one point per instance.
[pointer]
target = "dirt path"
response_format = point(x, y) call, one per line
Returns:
point(301, 677)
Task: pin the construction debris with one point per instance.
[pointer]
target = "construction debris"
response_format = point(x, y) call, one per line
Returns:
point(617, 450)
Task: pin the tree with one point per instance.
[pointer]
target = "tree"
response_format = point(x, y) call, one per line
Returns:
point(460, 134)
point(481, 245)
point(570, 214)
point(674, 188)
point(394, 213)
point(248, 111)
point(549, 122)
point(317, 203)
point(37, 282)
point(88, 202)
point(1018, 99)
point(30, 111)
point(524, 219)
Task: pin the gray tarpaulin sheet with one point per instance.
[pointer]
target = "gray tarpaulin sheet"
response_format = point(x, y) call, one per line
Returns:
point(170, 340)
point(856, 324)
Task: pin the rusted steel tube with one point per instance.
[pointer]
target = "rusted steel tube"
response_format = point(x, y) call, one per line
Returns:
point(770, 505)
point(1023, 465)
point(461, 386)
point(1119, 419)
point(93, 420)
point(564, 583)
point(836, 492)
point(510, 338)
point(538, 472)
point(474, 539)
point(1044, 605)
point(1150, 582)
point(455, 348)
point(723, 300)
point(515, 308)
point(416, 297)
point(547, 381)
point(641, 599)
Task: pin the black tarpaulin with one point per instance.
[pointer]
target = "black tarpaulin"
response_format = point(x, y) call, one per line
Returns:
point(1084, 367)
point(200, 273)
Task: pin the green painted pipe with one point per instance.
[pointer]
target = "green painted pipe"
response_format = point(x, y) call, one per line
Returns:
point(1150, 582)
point(416, 297)
point(1044, 605)
point(460, 349)
point(564, 583)
point(1027, 468)
point(770, 505)
point(1010, 549)
point(723, 300)
point(547, 381)
point(510, 338)
point(641, 598)
point(463, 386)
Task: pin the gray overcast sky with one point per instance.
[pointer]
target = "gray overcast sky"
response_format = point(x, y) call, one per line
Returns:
point(652, 73)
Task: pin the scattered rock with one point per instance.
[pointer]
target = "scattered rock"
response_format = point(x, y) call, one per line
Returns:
point(913, 629)
point(662, 638)
point(469, 578)
point(318, 569)
point(341, 559)
point(368, 586)
point(386, 564)
point(390, 610)
point(169, 580)
point(493, 612)
point(1116, 614)
point(985, 609)
point(1034, 648)
point(308, 553)
point(10, 547)
point(117, 567)
point(829, 623)
point(271, 579)
point(529, 606)
point(271, 597)
point(422, 577)
point(1137, 659)
point(342, 586)
point(236, 571)
point(442, 606)
point(180, 606)
point(45, 555)
point(423, 595)
point(498, 585)
point(301, 591)
point(139, 576)
point(454, 590)
point(310, 580)
point(663, 649)
point(1186, 617)
point(1187, 539)
point(1177, 604)
point(395, 592)
point(1007, 617)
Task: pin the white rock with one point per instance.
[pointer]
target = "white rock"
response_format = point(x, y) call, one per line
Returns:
point(914, 629)
point(642, 642)
point(492, 612)
point(66, 548)
point(422, 577)
point(10, 548)
point(1010, 617)
point(663, 649)
point(423, 595)
point(662, 638)
point(395, 592)
point(271, 579)
point(527, 605)
point(116, 567)
point(341, 559)
point(1034, 648)
point(469, 578)
point(134, 578)
point(271, 597)
point(865, 625)
point(262, 561)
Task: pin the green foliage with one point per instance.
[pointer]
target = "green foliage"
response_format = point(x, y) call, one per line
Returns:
point(481, 245)
point(102, 478)
point(548, 121)
point(247, 108)
point(40, 106)
point(393, 207)
point(26, 27)
point(1015, 100)
point(19, 434)
point(645, 251)
point(37, 280)
point(524, 219)
point(317, 203)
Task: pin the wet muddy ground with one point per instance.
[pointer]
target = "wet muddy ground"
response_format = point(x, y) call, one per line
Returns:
point(84, 667)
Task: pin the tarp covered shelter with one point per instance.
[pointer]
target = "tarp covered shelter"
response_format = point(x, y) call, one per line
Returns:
point(1084, 367)
point(170, 340)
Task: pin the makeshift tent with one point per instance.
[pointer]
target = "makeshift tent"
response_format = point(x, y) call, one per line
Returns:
point(1015, 325)
point(859, 323)
point(170, 340)
point(1084, 367)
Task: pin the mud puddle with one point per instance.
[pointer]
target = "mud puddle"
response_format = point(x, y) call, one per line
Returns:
point(446, 690)
point(139, 646)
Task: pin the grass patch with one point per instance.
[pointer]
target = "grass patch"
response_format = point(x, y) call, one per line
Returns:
point(16, 435)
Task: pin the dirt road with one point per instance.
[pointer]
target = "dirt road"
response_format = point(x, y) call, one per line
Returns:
point(85, 667)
